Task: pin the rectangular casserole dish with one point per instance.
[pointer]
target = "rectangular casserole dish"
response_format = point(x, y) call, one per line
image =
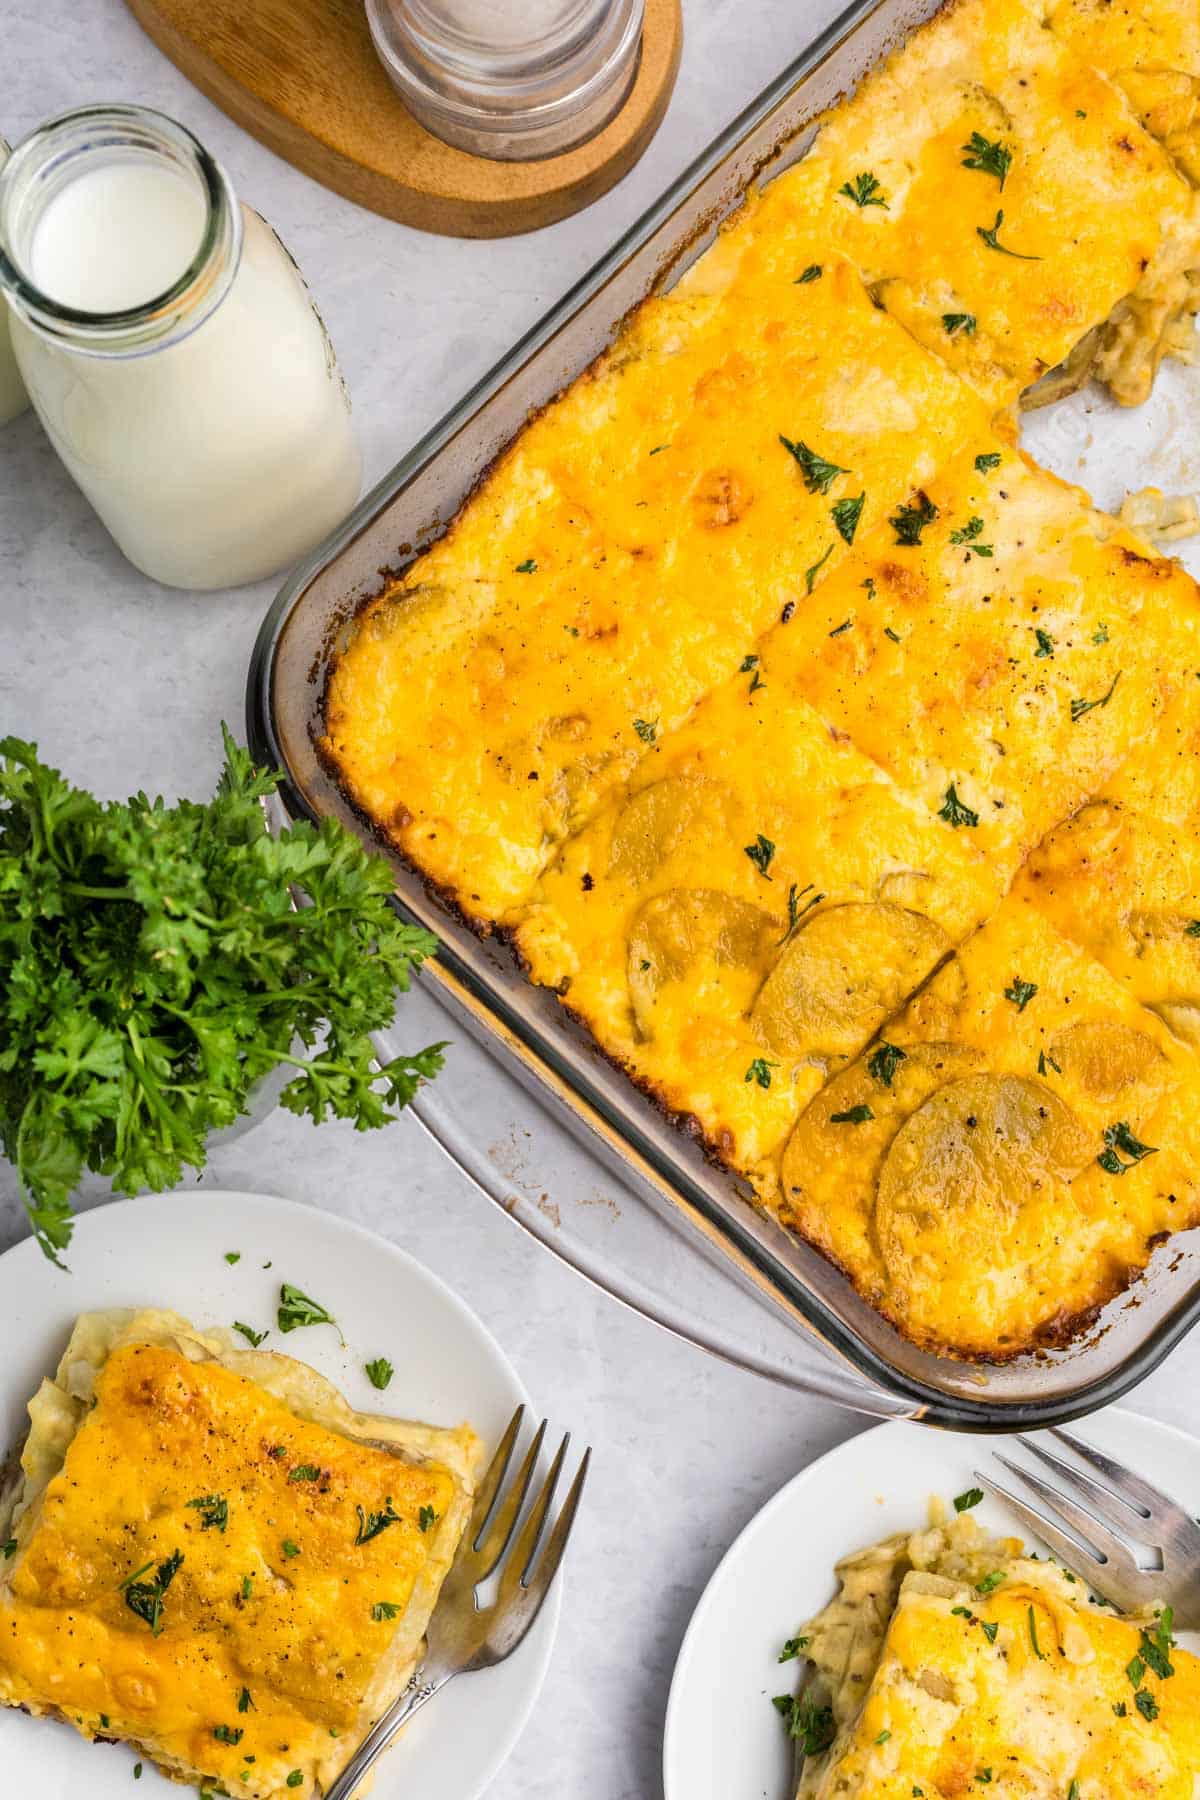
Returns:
point(478, 980)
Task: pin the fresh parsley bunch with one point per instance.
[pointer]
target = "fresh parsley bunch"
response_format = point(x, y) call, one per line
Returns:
point(153, 967)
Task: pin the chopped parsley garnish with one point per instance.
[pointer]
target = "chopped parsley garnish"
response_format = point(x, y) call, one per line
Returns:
point(989, 1628)
point(1119, 1141)
point(527, 567)
point(964, 322)
point(797, 906)
point(233, 1256)
point(1020, 992)
point(1192, 930)
point(247, 1586)
point(384, 1609)
point(990, 459)
point(760, 853)
point(883, 1737)
point(747, 664)
point(295, 1777)
point(854, 1115)
point(145, 1598)
point(1045, 643)
point(213, 1510)
point(760, 1071)
point(1033, 1636)
point(968, 534)
point(813, 272)
point(290, 1548)
point(882, 1064)
point(8, 1549)
point(1080, 707)
point(647, 729)
point(296, 1309)
point(245, 1703)
point(371, 1524)
point(983, 1776)
point(659, 447)
point(252, 1337)
point(304, 1472)
point(1120, 1709)
point(864, 190)
point(838, 630)
point(894, 635)
point(991, 158)
point(810, 575)
point(426, 1518)
point(379, 1372)
point(991, 239)
point(846, 514)
point(1073, 1791)
point(990, 1582)
point(1146, 1704)
point(228, 1734)
point(1100, 635)
point(953, 810)
point(277, 1452)
point(792, 1648)
point(1044, 1062)
point(1155, 1651)
point(908, 522)
point(810, 1725)
point(137, 1771)
point(819, 475)
point(964, 1502)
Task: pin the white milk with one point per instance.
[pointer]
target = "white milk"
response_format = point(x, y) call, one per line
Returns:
point(117, 236)
point(219, 450)
point(13, 398)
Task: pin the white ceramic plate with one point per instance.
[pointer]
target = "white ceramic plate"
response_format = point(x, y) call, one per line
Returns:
point(170, 1251)
point(723, 1737)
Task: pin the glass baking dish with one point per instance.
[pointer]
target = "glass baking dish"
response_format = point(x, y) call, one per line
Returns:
point(682, 1244)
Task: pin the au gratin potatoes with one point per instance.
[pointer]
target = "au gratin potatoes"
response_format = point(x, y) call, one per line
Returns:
point(954, 1663)
point(836, 765)
point(210, 1557)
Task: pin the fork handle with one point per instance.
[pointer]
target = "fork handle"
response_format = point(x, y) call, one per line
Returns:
point(384, 1730)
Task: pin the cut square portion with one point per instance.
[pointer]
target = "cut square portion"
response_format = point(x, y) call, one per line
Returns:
point(1007, 663)
point(213, 1559)
point(626, 551)
point(1006, 1155)
point(1002, 200)
point(951, 1662)
point(744, 916)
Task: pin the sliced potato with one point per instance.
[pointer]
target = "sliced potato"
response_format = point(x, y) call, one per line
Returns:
point(842, 974)
point(1106, 1059)
point(833, 1157)
point(971, 1185)
point(1181, 1018)
point(659, 819)
point(677, 931)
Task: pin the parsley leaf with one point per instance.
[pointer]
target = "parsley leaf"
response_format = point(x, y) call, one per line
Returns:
point(153, 969)
point(1020, 992)
point(251, 1336)
point(792, 1648)
point(1045, 1062)
point(228, 1734)
point(1119, 1141)
point(760, 1071)
point(990, 459)
point(426, 1518)
point(813, 272)
point(992, 158)
point(968, 534)
point(379, 1372)
point(864, 190)
point(846, 514)
point(854, 1115)
point(213, 1510)
point(145, 1598)
point(990, 237)
point(964, 322)
point(1045, 643)
point(245, 1703)
point(954, 812)
point(304, 1472)
point(1146, 1704)
point(797, 906)
point(527, 567)
point(819, 474)
point(384, 1609)
point(371, 1524)
point(884, 1061)
point(1080, 707)
point(811, 1726)
point(296, 1309)
point(810, 575)
point(760, 853)
point(1033, 1636)
point(964, 1502)
point(290, 1548)
point(990, 1582)
point(908, 522)
point(647, 729)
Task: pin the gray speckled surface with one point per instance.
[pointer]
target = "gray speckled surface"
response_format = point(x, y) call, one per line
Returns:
point(122, 684)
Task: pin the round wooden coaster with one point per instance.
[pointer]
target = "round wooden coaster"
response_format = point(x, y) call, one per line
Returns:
point(303, 77)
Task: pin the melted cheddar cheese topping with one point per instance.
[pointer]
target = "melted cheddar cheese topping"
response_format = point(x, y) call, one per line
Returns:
point(203, 1575)
point(994, 1672)
point(1151, 48)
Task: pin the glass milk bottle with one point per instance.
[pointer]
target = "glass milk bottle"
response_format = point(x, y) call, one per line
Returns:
point(13, 398)
point(172, 350)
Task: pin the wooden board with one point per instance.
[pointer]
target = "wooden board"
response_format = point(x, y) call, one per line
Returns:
point(303, 77)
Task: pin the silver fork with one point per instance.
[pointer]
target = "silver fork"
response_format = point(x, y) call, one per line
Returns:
point(464, 1636)
point(1133, 1543)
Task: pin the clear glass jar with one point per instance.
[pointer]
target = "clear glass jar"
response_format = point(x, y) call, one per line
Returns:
point(207, 421)
point(510, 80)
point(13, 398)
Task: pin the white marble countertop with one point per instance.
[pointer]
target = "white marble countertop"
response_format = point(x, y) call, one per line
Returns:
point(122, 683)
